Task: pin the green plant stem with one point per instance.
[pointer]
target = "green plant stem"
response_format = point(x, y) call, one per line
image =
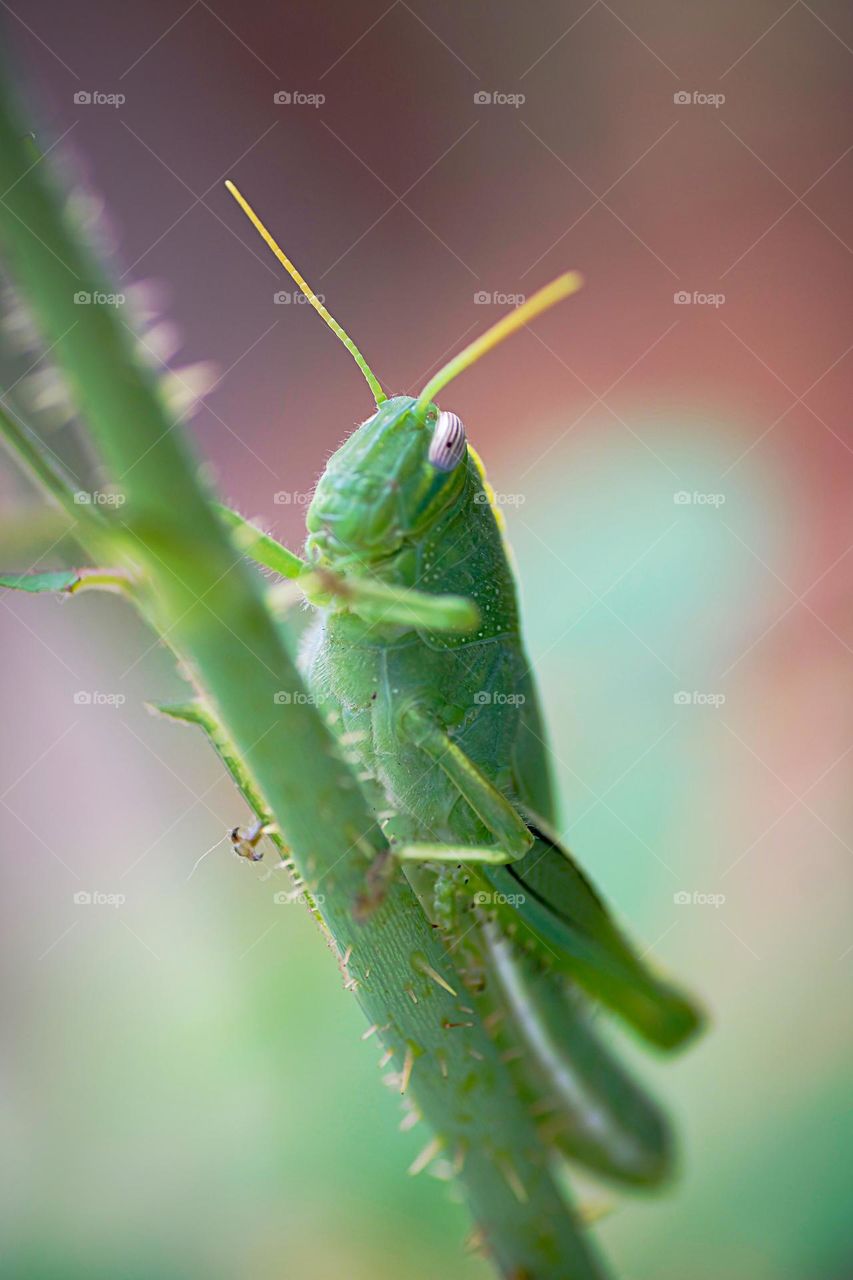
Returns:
point(46, 470)
point(209, 605)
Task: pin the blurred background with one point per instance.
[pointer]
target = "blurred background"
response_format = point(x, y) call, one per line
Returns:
point(184, 1088)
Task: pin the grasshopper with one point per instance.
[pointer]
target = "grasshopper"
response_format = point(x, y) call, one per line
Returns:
point(416, 655)
point(475, 945)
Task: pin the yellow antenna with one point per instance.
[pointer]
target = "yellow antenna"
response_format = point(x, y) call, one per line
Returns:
point(378, 394)
point(552, 293)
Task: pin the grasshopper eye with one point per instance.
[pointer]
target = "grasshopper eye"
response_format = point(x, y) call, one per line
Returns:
point(448, 445)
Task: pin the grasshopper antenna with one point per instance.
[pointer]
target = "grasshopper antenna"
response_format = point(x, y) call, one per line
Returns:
point(371, 379)
point(542, 300)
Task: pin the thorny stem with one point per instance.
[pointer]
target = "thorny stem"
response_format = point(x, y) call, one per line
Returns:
point(44, 468)
point(209, 604)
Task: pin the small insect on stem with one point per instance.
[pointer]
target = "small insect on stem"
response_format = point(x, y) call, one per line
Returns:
point(246, 840)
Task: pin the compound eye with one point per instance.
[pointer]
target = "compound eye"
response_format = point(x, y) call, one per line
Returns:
point(448, 445)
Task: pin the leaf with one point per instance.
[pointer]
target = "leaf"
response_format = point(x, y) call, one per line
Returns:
point(57, 580)
point(67, 581)
point(192, 712)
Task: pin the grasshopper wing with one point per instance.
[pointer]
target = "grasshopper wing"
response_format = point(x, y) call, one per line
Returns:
point(560, 919)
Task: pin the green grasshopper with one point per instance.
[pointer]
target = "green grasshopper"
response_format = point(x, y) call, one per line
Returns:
point(417, 659)
point(477, 949)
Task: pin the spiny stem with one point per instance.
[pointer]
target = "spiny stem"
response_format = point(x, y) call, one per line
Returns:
point(212, 610)
point(46, 468)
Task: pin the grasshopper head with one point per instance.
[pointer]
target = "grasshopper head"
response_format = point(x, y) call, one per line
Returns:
point(403, 467)
point(387, 483)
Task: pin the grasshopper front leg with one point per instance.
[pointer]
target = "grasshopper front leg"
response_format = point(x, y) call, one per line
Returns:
point(485, 855)
point(381, 603)
point(374, 601)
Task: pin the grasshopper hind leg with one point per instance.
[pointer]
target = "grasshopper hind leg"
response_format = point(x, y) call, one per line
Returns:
point(592, 1110)
point(588, 1108)
point(546, 903)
